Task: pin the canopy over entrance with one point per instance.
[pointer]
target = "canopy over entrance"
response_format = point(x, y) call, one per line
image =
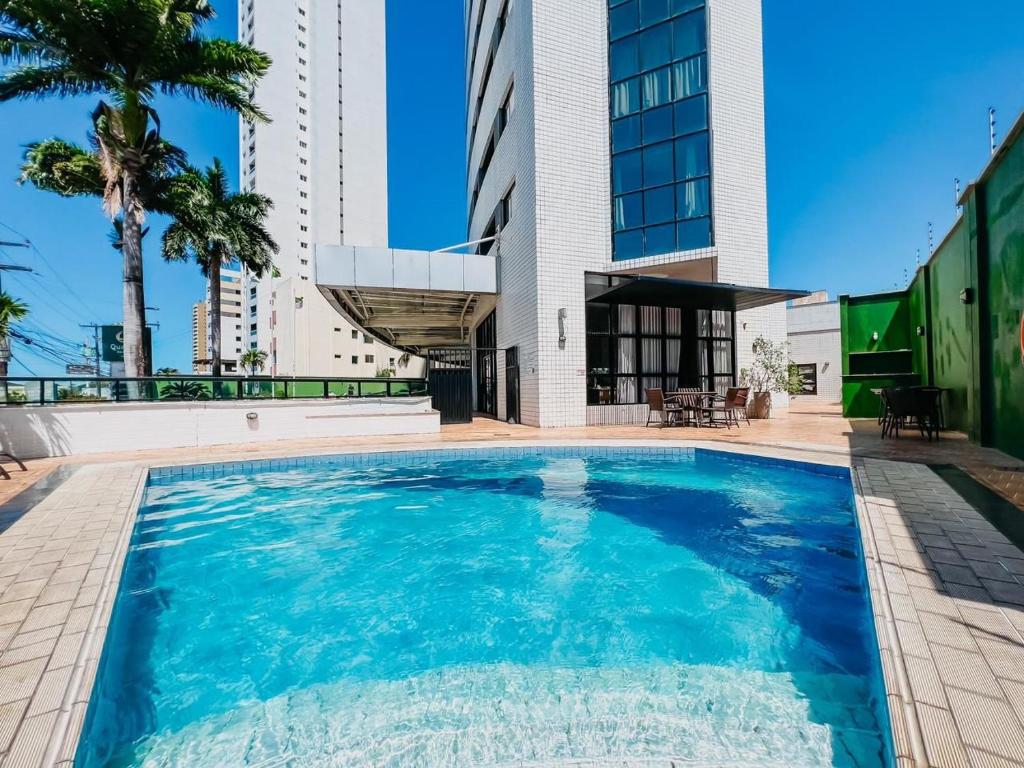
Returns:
point(670, 292)
point(408, 299)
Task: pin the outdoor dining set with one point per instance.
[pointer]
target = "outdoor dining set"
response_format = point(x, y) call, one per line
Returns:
point(694, 407)
point(905, 407)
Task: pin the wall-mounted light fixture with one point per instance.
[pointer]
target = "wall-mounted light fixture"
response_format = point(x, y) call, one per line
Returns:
point(920, 330)
point(967, 296)
point(874, 336)
point(562, 314)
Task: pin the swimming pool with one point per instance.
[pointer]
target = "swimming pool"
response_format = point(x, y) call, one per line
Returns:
point(523, 607)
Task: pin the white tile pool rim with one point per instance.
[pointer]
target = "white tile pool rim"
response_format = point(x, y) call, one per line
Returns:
point(904, 719)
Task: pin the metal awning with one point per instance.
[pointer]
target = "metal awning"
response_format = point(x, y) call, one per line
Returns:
point(667, 292)
point(409, 299)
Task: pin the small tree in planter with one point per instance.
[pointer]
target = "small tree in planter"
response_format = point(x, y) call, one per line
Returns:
point(768, 373)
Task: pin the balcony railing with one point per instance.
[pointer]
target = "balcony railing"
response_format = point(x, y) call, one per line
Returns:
point(67, 390)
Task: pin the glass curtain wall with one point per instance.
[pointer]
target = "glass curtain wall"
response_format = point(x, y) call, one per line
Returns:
point(661, 153)
point(634, 348)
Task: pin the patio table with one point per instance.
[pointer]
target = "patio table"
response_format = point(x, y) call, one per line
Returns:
point(707, 396)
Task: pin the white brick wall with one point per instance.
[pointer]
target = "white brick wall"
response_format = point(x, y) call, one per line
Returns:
point(814, 337)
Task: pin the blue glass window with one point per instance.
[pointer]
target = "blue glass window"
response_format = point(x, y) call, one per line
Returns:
point(660, 118)
point(659, 206)
point(691, 156)
point(690, 33)
point(658, 124)
point(689, 77)
point(682, 6)
point(658, 165)
point(655, 87)
point(626, 133)
point(627, 172)
point(655, 47)
point(622, 20)
point(692, 115)
point(623, 59)
point(693, 199)
point(629, 245)
point(626, 97)
point(695, 233)
point(629, 211)
point(660, 240)
point(653, 11)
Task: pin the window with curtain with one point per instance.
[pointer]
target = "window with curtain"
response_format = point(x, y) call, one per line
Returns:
point(634, 348)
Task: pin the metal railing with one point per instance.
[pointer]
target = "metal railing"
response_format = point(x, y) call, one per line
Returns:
point(66, 390)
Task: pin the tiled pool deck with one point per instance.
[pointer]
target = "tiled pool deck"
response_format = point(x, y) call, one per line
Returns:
point(947, 588)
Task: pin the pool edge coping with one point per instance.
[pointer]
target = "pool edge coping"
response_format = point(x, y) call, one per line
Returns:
point(63, 743)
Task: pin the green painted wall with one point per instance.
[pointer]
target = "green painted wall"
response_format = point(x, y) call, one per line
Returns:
point(949, 329)
point(971, 344)
point(1003, 387)
point(869, 364)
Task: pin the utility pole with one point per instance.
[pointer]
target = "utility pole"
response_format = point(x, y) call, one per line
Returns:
point(96, 347)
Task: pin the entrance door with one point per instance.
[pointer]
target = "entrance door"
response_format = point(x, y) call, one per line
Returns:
point(450, 376)
point(512, 415)
point(487, 366)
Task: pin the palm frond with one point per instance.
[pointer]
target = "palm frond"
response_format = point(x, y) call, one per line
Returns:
point(59, 166)
point(33, 82)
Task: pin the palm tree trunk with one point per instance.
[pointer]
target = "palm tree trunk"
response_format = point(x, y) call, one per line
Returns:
point(134, 297)
point(215, 313)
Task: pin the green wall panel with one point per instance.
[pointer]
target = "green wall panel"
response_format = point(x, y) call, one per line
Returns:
point(949, 328)
point(1004, 221)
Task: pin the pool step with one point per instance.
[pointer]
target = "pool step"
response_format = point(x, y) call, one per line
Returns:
point(509, 715)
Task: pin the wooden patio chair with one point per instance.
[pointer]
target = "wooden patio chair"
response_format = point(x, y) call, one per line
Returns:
point(731, 405)
point(667, 410)
point(3, 470)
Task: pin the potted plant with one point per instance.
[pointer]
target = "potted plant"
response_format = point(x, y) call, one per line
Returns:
point(769, 372)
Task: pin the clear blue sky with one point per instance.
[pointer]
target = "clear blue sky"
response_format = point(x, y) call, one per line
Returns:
point(872, 112)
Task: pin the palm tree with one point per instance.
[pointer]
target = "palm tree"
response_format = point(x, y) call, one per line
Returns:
point(215, 227)
point(253, 359)
point(168, 372)
point(10, 310)
point(129, 51)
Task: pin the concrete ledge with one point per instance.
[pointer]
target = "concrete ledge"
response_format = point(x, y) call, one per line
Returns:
point(66, 430)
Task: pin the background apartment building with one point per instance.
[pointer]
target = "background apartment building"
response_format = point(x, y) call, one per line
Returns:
point(323, 161)
point(618, 148)
point(232, 340)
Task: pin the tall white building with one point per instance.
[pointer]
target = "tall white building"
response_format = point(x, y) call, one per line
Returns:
point(619, 149)
point(323, 161)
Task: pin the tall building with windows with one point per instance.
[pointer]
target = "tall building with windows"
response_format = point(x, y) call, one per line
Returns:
point(231, 336)
point(323, 161)
point(616, 147)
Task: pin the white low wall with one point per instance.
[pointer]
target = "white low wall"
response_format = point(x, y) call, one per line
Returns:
point(69, 429)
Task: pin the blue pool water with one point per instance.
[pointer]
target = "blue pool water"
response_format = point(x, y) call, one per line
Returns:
point(613, 607)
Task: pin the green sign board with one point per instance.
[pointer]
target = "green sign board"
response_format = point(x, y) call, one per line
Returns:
point(112, 343)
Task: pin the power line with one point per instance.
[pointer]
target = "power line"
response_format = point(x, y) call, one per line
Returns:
point(71, 291)
point(30, 371)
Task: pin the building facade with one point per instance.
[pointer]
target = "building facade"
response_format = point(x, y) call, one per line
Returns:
point(616, 147)
point(815, 346)
point(232, 340)
point(323, 161)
